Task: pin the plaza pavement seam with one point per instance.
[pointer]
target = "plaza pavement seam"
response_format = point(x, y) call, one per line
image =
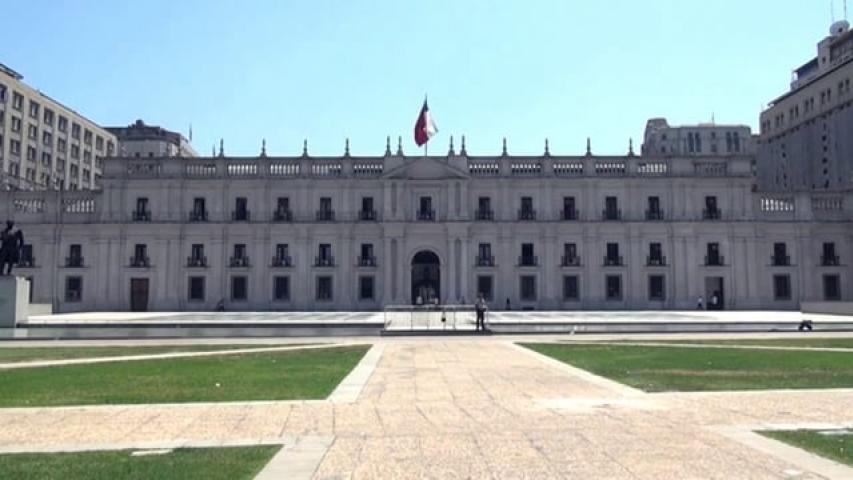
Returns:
point(704, 345)
point(353, 384)
point(790, 454)
point(580, 373)
point(161, 356)
point(298, 462)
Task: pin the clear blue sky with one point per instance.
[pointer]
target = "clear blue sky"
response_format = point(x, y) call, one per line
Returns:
point(326, 70)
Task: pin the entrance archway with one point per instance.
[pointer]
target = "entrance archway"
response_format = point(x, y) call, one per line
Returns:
point(426, 278)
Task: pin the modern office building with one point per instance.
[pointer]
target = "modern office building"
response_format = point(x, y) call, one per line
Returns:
point(806, 140)
point(141, 140)
point(707, 139)
point(44, 144)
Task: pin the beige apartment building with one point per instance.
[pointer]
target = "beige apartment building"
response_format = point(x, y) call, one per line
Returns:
point(44, 144)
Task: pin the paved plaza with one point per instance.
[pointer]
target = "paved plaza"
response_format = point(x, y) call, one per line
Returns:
point(469, 408)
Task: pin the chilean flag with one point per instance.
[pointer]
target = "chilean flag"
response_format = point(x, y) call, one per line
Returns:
point(424, 128)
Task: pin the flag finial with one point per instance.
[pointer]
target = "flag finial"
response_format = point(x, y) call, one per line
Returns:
point(388, 145)
point(305, 147)
point(547, 148)
point(588, 146)
point(346, 148)
point(463, 150)
point(221, 147)
point(451, 152)
point(504, 147)
point(264, 147)
point(400, 146)
point(631, 147)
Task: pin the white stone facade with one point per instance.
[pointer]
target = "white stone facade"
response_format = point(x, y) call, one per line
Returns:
point(90, 242)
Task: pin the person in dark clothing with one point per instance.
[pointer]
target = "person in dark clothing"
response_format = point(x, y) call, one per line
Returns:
point(480, 307)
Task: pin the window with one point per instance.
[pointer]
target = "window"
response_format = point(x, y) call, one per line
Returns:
point(425, 211)
point(16, 124)
point(831, 287)
point(61, 145)
point(62, 124)
point(324, 255)
point(655, 255)
point(829, 258)
point(241, 210)
point(712, 255)
point(781, 287)
point(484, 255)
point(281, 289)
point(34, 109)
point(32, 132)
point(570, 255)
point(528, 259)
point(87, 157)
point(780, 255)
point(527, 212)
point(528, 288)
point(367, 211)
point(365, 288)
point(571, 288)
point(324, 288)
point(73, 289)
point(2, 93)
point(15, 147)
point(612, 257)
point(195, 289)
point(17, 101)
point(569, 210)
point(611, 208)
point(197, 258)
point(46, 159)
point(613, 287)
point(240, 250)
point(87, 137)
point(656, 288)
point(48, 116)
point(99, 142)
point(653, 211)
point(31, 154)
point(486, 287)
point(366, 259)
point(75, 151)
point(282, 257)
point(75, 131)
point(47, 138)
point(239, 288)
point(325, 213)
point(484, 209)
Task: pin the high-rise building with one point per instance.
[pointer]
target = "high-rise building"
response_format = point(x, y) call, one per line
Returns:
point(705, 139)
point(44, 144)
point(141, 140)
point(806, 140)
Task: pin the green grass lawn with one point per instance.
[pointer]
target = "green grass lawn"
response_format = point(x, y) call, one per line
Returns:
point(182, 464)
point(662, 369)
point(31, 354)
point(288, 375)
point(834, 447)
point(817, 342)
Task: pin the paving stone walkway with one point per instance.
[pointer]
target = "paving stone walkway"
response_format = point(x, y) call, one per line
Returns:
point(471, 409)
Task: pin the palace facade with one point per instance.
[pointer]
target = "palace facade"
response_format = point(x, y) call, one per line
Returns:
point(362, 233)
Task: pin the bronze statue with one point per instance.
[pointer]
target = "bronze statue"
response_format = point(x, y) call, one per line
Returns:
point(11, 243)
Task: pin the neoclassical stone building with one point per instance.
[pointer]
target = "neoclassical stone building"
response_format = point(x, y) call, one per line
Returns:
point(361, 233)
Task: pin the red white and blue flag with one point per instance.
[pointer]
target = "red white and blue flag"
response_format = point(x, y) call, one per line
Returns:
point(424, 128)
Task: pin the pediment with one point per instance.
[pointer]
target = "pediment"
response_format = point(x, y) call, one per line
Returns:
point(426, 169)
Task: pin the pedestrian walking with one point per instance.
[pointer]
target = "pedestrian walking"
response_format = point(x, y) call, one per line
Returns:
point(700, 304)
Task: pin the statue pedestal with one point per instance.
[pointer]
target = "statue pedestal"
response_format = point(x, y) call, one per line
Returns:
point(14, 300)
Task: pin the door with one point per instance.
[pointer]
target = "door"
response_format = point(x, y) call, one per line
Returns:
point(139, 295)
point(715, 298)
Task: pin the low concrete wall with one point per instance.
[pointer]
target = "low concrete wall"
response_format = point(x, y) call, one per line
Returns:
point(87, 331)
point(828, 308)
point(40, 309)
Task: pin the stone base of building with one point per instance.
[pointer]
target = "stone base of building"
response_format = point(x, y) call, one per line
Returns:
point(14, 300)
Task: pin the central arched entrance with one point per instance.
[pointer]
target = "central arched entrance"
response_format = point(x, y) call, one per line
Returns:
point(426, 278)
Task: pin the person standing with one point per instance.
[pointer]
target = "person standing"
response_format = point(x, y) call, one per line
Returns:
point(480, 308)
point(700, 304)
